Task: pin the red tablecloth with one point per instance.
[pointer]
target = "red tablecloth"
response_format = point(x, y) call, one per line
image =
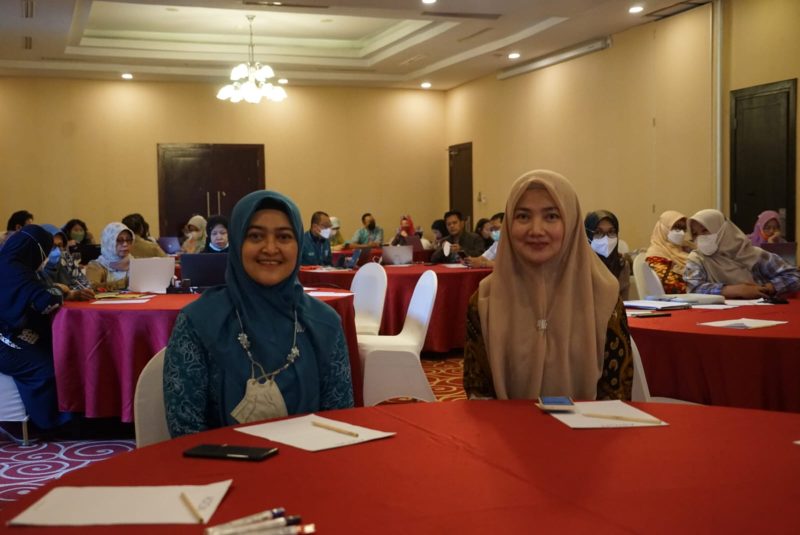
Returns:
point(496, 467)
point(756, 368)
point(100, 350)
point(447, 329)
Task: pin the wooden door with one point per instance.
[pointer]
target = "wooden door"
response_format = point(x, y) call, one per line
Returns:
point(763, 153)
point(461, 180)
point(205, 179)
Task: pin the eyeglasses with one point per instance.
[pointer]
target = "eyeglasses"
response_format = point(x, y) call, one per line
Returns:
point(121, 241)
point(598, 234)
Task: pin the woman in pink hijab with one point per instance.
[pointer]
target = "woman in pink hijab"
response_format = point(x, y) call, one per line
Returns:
point(767, 229)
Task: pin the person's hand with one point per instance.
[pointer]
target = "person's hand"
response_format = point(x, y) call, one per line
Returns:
point(769, 288)
point(454, 248)
point(71, 243)
point(775, 237)
point(83, 294)
point(475, 261)
point(747, 290)
point(63, 287)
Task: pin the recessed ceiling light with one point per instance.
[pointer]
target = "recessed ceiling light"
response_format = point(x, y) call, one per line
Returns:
point(428, 1)
point(425, 85)
point(127, 76)
point(277, 3)
point(283, 81)
point(633, 10)
point(514, 55)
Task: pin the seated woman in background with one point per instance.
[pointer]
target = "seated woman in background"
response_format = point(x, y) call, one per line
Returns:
point(258, 347)
point(217, 231)
point(602, 228)
point(439, 232)
point(336, 239)
point(669, 251)
point(110, 270)
point(26, 303)
point(548, 320)
point(767, 229)
point(727, 263)
point(195, 232)
point(406, 229)
point(484, 230)
point(143, 246)
point(77, 233)
point(61, 270)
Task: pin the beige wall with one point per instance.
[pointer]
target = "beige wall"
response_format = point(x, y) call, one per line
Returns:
point(631, 126)
point(761, 42)
point(88, 149)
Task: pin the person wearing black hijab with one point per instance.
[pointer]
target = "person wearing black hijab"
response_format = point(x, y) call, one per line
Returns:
point(602, 229)
point(26, 303)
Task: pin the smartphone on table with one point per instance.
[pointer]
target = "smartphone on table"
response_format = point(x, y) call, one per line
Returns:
point(556, 404)
point(228, 451)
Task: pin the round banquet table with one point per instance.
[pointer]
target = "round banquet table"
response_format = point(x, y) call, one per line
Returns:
point(751, 368)
point(494, 467)
point(100, 350)
point(447, 328)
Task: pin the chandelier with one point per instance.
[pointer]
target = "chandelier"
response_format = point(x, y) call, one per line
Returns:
point(250, 79)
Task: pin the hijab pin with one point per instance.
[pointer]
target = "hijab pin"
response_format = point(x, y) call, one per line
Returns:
point(243, 340)
point(541, 325)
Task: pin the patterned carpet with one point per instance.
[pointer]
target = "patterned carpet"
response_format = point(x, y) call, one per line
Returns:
point(26, 468)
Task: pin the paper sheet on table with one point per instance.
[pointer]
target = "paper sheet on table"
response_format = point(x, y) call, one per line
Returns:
point(305, 289)
point(301, 433)
point(714, 307)
point(120, 301)
point(743, 323)
point(96, 506)
point(614, 414)
point(122, 295)
point(329, 294)
point(389, 266)
point(454, 266)
point(745, 302)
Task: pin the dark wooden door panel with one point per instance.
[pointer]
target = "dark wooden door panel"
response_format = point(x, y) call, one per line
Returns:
point(461, 180)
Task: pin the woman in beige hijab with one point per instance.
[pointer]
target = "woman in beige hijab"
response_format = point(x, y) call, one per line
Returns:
point(669, 251)
point(727, 263)
point(548, 320)
point(195, 232)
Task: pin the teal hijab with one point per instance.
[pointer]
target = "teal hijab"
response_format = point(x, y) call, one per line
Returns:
point(267, 313)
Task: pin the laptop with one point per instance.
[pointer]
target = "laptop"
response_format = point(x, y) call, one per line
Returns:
point(169, 244)
point(204, 270)
point(786, 250)
point(88, 252)
point(415, 243)
point(151, 274)
point(394, 255)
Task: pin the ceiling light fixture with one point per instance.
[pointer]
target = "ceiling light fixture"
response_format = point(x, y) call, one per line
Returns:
point(557, 57)
point(428, 1)
point(425, 85)
point(633, 10)
point(283, 81)
point(127, 76)
point(250, 79)
point(514, 55)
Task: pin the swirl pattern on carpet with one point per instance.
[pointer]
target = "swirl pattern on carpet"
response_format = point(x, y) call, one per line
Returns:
point(26, 468)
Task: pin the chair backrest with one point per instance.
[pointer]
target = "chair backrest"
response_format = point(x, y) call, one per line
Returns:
point(647, 283)
point(419, 311)
point(11, 407)
point(640, 390)
point(149, 415)
point(369, 294)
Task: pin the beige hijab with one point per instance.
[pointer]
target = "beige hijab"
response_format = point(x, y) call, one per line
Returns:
point(661, 246)
point(732, 262)
point(574, 293)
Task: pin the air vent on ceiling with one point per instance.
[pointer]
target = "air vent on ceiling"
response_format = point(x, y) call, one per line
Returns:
point(28, 9)
point(473, 35)
point(270, 3)
point(456, 15)
point(27, 42)
point(676, 8)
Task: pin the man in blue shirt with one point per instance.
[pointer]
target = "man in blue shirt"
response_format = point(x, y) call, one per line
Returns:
point(316, 246)
point(368, 236)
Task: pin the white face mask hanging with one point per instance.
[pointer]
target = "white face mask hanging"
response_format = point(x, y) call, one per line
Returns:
point(262, 400)
point(676, 236)
point(707, 244)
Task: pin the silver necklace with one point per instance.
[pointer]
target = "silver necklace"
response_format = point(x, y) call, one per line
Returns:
point(244, 341)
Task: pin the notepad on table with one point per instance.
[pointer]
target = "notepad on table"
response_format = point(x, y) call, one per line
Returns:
point(647, 304)
point(606, 414)
point(743, 323)
point(302, 433)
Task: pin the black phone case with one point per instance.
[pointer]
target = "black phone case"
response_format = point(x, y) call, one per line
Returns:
point(233, 453)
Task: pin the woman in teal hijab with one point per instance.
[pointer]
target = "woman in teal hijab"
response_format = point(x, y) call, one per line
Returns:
point(258, 347)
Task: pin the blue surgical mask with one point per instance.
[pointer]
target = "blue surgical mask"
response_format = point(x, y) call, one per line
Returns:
point(54, 257)
point(495, 235)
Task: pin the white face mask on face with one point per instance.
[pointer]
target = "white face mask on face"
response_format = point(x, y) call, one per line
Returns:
point(676, 236)
point(325, 233)
point(707, 244)
point(603, 246)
